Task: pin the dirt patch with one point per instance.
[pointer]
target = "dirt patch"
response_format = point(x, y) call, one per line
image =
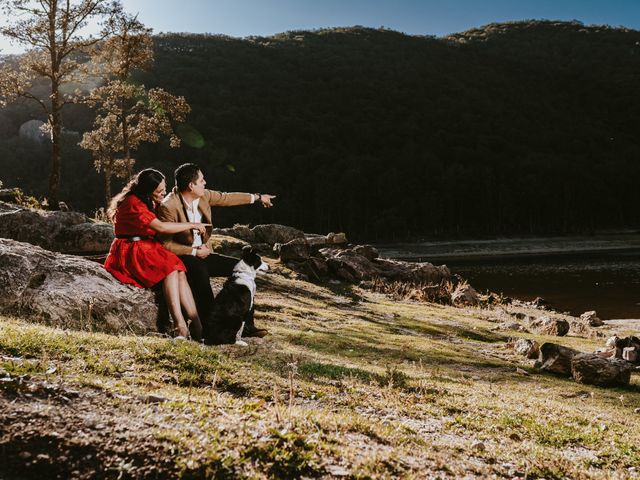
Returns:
point(46, 434)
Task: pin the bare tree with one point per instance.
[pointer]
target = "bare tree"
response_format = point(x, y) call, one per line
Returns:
point(128, 114)
point(52, 31)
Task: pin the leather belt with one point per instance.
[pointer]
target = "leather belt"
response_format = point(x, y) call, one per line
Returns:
point(133, 238)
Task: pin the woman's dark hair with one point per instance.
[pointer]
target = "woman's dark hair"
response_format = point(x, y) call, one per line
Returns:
point(142, 186)
point(185, 174)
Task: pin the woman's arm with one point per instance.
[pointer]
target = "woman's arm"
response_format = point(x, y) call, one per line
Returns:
point(176, 227)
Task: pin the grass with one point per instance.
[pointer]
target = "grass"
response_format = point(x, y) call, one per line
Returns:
point(349, 384)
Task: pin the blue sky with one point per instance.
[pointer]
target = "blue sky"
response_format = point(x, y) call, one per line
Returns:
point(241, 18)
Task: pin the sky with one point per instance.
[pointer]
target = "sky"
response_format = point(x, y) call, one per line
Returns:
point(241, 18)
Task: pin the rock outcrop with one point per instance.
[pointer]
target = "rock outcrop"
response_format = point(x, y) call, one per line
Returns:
point(69, 232)
point(318, 257)
point(70, 292)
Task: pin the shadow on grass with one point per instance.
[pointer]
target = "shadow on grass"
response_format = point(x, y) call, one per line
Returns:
point(355, 345)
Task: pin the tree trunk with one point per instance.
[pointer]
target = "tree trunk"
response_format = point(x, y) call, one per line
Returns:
point(126, 152)
point(55, 121)
point(107, 187)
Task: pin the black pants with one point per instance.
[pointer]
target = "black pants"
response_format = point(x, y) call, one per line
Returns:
point(198, 272)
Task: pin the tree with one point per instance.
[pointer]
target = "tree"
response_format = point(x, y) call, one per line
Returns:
point(52, 29)
point(128, 114)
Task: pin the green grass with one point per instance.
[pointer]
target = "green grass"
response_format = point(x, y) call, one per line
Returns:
point(369, 389)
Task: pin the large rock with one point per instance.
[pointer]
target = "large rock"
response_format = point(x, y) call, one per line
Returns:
point(550, 326)
point(351, 265)
point(591, 319)
point(226, 245)
point(296, 250)
point(241, 232)
point(555, 358)
point(367, 251)
point(592, 369)
point(70, 292)
point(70, 232)
point(269, 233)
point(465, 295)
point(274, 233)
point(527, 348)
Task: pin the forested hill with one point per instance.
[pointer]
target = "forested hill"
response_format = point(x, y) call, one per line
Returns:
point(509, 129)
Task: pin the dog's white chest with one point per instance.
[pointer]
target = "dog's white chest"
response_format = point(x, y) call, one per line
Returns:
point(247, 280)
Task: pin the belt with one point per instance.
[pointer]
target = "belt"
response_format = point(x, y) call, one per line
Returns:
point(133, 238)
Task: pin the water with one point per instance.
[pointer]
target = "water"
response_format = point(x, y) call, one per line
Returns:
point(573, 275)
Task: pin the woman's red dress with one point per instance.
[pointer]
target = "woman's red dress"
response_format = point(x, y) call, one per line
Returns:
point(142, 263)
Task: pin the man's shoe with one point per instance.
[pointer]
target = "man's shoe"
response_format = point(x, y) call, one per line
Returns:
point(255, 332)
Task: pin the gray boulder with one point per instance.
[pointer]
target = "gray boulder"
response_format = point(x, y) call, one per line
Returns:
point(269, 233)
point(241, 232)
point(592, 369)
point(70, 232)
point(348, 265)
point(555, 358)
point(352, 266)
point(527, 348)
point(367, 251)
point(591, 319)
point(70, 292)
point(274, 233)
point(296, 250)
point(550, 326)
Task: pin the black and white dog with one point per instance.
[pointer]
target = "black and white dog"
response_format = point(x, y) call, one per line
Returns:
point(233, 306)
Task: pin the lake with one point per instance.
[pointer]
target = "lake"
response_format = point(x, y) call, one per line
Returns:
point(573, 274)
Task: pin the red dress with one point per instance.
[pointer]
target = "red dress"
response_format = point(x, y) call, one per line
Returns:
point(145, 262)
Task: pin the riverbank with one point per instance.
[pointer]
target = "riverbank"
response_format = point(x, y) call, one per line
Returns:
point(573, 275)
point(511, 247)
point(350, 384)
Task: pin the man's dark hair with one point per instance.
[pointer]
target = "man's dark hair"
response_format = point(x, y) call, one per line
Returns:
point(185, 174)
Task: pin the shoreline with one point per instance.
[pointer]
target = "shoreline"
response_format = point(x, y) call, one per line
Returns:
point(511, 248)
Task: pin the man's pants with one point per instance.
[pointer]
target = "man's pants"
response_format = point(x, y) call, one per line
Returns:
point(198, 272)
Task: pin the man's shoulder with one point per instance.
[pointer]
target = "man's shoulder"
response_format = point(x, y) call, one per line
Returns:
point(171, 201)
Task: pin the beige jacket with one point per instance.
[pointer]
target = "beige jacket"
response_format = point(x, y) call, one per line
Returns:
point(173, 209)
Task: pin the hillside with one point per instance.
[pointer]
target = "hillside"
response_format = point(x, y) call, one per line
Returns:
point(350, 384)
point(517, 128)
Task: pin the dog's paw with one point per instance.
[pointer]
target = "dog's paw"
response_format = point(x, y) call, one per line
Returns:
point(241, 343)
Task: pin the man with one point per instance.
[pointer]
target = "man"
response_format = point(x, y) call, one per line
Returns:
point(190, 201)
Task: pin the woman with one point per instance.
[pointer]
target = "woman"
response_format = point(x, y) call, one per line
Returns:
point(138, 259)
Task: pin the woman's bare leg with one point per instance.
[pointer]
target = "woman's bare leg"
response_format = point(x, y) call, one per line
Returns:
point(188, 303)
point(171, 289)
